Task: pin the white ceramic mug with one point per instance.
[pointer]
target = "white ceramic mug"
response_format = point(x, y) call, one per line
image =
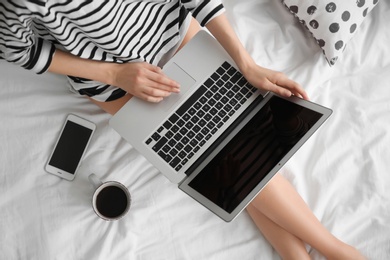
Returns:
point(111, 200)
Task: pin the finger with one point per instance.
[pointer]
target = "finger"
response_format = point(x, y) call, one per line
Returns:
point(293, 86)
point(158, 76)
point(162, 82)
point(155, 92)
point(151, 99)
point(277, 89)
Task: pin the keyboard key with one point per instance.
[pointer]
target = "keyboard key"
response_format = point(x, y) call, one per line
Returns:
point(186, 117)
point(210, 125)
point(166, 148)
point(205, 131)
point(217, 96)
point(200, 113)
point(225, 77)
point(180, 123)
point(220, 71)
point(174, 162)
point(216, 119)
point(208, 83)
point(188, 148)
point(183, 131)
point(192, 111)
point(199, 137)
point(213, 111)
point(236, 77)
point(197, 105)
point(149, 141)
point(169, 135)
point(196, 128)
point(207, 117)
point(175, 128)
point(159, 144)
point(156, 136)
point(194, 119)
point(231, 71)
point(173, 118)
point(215, 76)
point(166, 157)
point(160, 129)
point(203, 100)
point(226, 65)
point(202, 123)
point(173, 152)
point(194, 142)
point(177, 137)
point(194, 97)
point(185, 140)
point(182, 154)
point(189, 125)
point(206, 108)
point(179, 146)
point(167, 125)
point(227, 107)
point(172, 142)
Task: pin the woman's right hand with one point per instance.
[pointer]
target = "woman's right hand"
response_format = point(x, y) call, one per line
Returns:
point(143, 80)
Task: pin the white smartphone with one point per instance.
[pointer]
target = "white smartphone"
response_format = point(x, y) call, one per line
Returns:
point(70, 147)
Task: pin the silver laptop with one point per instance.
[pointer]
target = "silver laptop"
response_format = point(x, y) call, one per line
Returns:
point(220, 139)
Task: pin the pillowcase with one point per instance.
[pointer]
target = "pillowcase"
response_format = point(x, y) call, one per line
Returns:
point(331, 22)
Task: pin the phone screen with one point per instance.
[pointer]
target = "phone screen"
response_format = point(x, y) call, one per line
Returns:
point(70, 147)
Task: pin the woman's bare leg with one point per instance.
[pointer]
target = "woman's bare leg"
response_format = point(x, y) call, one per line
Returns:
point(287, 245)
point(280, 203)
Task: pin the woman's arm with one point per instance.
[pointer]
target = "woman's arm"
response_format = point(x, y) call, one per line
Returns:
point(140, 79)
point(258, 76)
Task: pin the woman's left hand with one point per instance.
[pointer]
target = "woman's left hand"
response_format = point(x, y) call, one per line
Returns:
point(274, 81)
point(259, 77)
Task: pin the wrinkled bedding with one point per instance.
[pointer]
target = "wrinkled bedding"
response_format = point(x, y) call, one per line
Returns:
point(342, 172)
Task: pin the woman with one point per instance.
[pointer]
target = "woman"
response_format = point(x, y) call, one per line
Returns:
point(111, 52)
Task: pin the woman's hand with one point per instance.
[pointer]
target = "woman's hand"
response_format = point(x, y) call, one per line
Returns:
point(274, 81)
point(259, 77)
point(143, 80)
point(139, 79)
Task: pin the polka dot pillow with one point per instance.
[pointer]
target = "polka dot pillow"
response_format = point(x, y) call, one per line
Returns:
point(331, 22)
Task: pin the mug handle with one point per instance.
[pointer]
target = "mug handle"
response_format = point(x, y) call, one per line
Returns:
point(95, 180)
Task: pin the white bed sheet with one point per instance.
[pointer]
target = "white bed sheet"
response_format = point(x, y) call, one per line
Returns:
point(342, 172)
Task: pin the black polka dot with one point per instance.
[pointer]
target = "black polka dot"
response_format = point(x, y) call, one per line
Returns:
point(345, 16)
point(360, 3)
point(334, 27)
point(321, 42)
point(338, 45)
point(294, 9)
point(333, 60)
point(352, 28)
point(314, 24)
point(365, 12)
point(311, 10)
point(331, 7)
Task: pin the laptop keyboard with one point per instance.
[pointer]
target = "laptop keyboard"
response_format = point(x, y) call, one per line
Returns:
point(180, 137)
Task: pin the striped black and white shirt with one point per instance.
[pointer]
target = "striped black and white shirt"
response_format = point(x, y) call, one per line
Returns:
point(108, 30)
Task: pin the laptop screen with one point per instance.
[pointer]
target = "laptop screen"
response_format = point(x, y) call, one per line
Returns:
point(257, 148)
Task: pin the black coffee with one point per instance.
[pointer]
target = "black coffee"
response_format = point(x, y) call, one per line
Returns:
point(111, 201)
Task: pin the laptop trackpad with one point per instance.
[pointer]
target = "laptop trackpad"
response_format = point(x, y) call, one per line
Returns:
point(183, 78)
